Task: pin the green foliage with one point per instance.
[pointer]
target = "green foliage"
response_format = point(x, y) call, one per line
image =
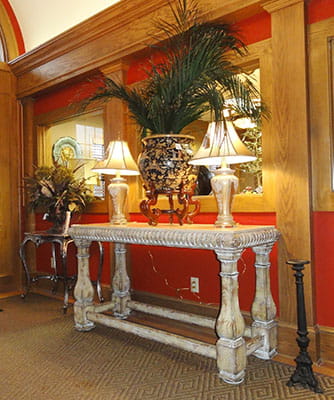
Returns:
point(196, 76)
point(55, 190)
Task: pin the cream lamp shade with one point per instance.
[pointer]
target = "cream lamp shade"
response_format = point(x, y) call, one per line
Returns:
point(222, 146)
point(119, 161)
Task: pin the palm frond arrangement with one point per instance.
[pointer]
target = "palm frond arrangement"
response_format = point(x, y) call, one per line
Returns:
point(195, 77)
point(55, 190)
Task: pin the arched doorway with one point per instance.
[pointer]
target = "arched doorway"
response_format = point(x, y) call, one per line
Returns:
point(10, 150)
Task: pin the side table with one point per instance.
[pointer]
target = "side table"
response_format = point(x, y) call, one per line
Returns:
point(63, 240)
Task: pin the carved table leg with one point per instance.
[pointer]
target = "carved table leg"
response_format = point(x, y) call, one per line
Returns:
point(230, 325)
point(121, 283)
point(84, 290)
point(263, 308)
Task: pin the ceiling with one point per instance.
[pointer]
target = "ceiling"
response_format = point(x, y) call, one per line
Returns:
point(41, 20)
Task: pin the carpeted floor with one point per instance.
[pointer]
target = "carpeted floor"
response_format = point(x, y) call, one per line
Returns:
point(44, 357)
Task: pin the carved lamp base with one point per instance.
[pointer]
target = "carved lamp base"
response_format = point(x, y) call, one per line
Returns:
point(118, 190)
point(224, 184)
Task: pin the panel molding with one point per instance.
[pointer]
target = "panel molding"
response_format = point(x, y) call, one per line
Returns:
point(10, 169)
point(321, 113)
point(275, 5)
point(326, 344)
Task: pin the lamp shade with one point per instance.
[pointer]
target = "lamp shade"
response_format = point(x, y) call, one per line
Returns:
point(118, 161)
point(221, 144)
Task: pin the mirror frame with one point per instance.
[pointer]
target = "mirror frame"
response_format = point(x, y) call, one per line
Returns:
point(43, 121)
point(259, 55)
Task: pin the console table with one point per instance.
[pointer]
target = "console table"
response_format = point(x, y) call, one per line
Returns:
point(63, 240)
point(232, 348)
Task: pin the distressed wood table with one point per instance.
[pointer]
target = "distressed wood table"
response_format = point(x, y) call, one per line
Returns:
point(235, 340)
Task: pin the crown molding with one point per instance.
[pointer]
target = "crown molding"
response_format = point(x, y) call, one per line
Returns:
point(119, 32)
point(118, 68)
point(276, 5)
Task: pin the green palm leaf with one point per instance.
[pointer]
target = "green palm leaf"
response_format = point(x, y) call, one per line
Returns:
point(196, 76)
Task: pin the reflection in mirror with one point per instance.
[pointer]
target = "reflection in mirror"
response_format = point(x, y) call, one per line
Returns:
point(77, 141)
point(249, 174)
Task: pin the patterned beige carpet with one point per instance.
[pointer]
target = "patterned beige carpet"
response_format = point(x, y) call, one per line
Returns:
point(44, 357)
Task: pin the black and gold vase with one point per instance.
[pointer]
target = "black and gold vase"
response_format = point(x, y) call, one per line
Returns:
point(163, 163)
point(164, 168)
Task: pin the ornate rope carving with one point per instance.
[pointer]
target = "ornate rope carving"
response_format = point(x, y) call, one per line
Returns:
point(196, 236)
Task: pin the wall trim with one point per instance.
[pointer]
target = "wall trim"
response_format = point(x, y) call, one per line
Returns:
point(327, 344)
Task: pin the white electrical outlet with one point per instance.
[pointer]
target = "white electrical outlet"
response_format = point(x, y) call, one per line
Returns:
point(194, 284)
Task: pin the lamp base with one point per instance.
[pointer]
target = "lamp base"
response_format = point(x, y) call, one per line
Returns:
point(224, 222)
point(224, 185)
point(118, 190)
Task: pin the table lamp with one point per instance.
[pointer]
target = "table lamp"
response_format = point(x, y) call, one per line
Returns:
point(118, 162)
point(222, 146)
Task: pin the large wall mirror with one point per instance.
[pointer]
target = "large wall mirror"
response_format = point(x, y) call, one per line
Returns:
point(75, 141)
point(331, 88)
point(257, 189)
point(249, 174)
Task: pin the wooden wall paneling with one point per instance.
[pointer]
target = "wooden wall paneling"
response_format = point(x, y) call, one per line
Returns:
point(321, 81)
point(29, 159)
point(30, 150)
point(117, 32)
point(268, 145)
point(327, 344)
point(115, 113)
point(290, 124)
point(9, 171)
point(120, 125)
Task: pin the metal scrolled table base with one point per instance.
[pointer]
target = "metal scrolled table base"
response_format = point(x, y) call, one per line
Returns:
point(63, 240)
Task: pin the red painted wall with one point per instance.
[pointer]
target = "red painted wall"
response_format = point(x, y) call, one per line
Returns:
point(323, 241)
point(167, 271)
point(318, 10)
point(68, 95)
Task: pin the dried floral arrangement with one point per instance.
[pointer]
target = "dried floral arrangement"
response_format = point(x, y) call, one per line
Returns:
point(55, 190)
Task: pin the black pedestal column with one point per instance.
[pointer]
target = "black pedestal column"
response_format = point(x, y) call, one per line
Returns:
point(303, 374)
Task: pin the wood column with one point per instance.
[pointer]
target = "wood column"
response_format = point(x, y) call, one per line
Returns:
point(115, 111)
point(9, 172)
point(115, 123)
point(29, 156)
point(292, 161)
